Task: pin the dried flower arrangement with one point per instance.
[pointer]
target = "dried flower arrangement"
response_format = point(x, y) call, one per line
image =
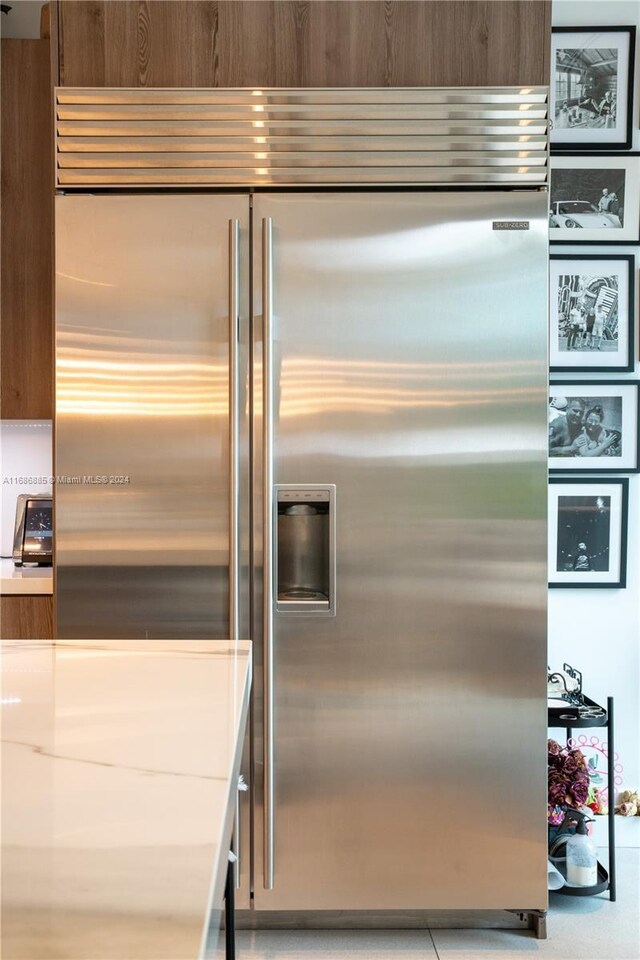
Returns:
point(568, 781)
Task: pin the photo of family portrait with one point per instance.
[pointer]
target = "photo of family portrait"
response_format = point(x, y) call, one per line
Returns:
point(587, 533)
point(589, 312)
point(591, 90)
point(593, 427)
point(594, 199)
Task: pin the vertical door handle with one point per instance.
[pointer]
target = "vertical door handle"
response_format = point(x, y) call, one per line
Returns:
point(234, 471)
point(267, 561)
point(234, 426)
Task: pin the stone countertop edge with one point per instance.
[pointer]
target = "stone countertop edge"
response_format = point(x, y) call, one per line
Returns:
point(24, 581)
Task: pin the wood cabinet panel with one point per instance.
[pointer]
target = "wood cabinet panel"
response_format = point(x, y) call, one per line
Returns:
point(27, 231)
point(469, 43)
point(155, 43)
point(303, 42)
point(26, 618)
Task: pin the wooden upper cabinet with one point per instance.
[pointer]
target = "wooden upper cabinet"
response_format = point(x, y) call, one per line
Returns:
point(236, 43)
point(26, 194)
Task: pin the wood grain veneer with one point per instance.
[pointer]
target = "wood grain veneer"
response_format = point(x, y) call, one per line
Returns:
point(26, 191)
point(26, 618)
point(303, 42)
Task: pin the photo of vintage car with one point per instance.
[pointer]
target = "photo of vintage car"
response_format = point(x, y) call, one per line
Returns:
point(571, 214)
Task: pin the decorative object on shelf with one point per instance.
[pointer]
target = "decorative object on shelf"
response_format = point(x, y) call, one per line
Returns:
point(582, 856)
point(570, 848)
point(629, 803)
point(591, 313)
point(565, 684)
point(595, 199)
point(568, 780)
point(597, 802)
point(596, 751)
point(593, 426)
point(592, 87)
point(588, 532)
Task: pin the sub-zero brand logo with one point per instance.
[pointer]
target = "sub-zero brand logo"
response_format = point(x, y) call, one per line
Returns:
point(510, 224)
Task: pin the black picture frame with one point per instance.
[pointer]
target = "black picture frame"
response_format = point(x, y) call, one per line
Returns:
point(574, 238)
point(623, 144)
point(629, 366)
point(623, 484)
point(608, 470)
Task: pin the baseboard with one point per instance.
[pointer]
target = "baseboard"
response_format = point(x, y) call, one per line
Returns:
point(377, 920)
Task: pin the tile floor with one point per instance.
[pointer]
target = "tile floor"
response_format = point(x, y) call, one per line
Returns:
point(578, 929)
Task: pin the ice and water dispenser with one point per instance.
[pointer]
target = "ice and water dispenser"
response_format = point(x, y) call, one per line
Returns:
point(305, 543)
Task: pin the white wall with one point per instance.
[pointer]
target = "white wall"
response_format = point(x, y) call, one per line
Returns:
point(23, 20)
point(598, 631)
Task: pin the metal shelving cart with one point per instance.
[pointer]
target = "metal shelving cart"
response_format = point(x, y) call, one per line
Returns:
point(570, 717)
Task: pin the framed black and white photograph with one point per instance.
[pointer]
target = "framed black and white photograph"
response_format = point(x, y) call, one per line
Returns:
point(594, 199)
point(592, 87)
point(588, 532)
point(593, 426)
point(591, 322)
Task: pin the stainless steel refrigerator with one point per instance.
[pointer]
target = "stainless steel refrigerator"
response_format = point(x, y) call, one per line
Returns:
point(330, 405)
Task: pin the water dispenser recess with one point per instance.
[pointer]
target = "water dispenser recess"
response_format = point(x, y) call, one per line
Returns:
point(305, 543)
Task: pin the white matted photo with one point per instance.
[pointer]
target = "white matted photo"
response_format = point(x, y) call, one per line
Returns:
point(593, 426)
point(587, 532)
point(592, 87)
point(594, 199)
point(591, 323)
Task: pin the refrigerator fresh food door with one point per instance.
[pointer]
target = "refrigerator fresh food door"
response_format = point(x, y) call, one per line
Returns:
point(400, 738)
point(148, 294)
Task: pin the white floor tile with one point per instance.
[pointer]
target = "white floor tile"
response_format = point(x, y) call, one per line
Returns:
point(335, 945)
point(579, 928)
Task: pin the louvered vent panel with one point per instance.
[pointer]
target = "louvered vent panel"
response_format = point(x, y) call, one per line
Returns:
point(291, 137)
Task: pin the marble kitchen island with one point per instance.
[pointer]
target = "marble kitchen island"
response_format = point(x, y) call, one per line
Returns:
point(120, 764)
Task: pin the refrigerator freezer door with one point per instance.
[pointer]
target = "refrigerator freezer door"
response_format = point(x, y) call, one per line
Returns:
point(142, 429)
point(408, 363)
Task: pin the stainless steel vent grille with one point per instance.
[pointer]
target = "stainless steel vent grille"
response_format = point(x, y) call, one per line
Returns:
point(291, 137)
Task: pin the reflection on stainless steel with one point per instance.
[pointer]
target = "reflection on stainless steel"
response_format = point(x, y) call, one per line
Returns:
point(409, 359)
point(120, 374)
point(142, 398)
point(311, 136)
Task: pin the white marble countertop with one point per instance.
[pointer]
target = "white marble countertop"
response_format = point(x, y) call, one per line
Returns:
point(120, 764)
point(24, 580)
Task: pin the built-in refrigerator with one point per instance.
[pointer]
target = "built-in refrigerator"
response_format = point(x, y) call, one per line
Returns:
point(321, 412)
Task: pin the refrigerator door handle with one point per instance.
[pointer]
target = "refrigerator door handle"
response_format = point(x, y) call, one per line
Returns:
point(267, 562)
point(234, 426)
point(234, 472)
